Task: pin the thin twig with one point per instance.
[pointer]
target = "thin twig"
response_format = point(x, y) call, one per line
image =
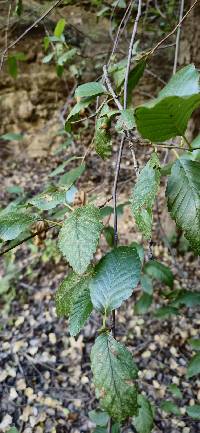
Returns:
point(3, 54)
point(178, 37)
point(110, 88)
point(117, 170)
point(119, 156)
point(25, 240)
point(119, 30)
point(130, 52)
point(151, 52)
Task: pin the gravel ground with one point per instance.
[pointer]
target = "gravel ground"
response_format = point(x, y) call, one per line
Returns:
point(45, 378)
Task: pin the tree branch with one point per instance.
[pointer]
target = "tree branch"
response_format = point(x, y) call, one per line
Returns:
point(151, 52)
point(27, 31)
point(178, 37)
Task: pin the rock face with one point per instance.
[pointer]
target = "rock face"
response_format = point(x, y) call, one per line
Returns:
point(32, 103)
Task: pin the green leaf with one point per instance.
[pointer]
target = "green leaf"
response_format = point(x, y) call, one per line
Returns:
point(59, 70)
point(146, 284)
point(12, 66)
point(159, 272)
point(144, 194)
point(102, 138)
point(11, 136)
point(78, 238)
point(90, 89)
point(14, 223)
point(69, 178)
point(61, 168)
point(67, 292)
point(187, 298)
point(164, 312)
point(184, 83)
point(173, 388)
point(194, 411)
point(194, 366)
point(115, 277)
point(126, 120)
point(59, 27)
point(109, 234)
point(143, 304)
point(67, 57)
point(114, 374)
point(99, 418)
point(143, 422)
point(49, 199)
point(79, 107)
point(48, 58)
point(15, 189)
point(81, 310)
point(134, 77)
point(183, 193)
point(196, 142)
point(140, 250)
point(170, 407)
point(73, 300)
point(167, 118)
point(107, 111)
point(194, 343)
point(18, 11)
point(99, 429)
point(13, 430)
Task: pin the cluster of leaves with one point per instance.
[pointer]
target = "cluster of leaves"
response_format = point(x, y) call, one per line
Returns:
point(60, 51)
point(104, 286)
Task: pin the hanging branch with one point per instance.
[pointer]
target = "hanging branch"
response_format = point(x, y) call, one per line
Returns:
point(178, 37)
point(119, 157)
point(151, 52)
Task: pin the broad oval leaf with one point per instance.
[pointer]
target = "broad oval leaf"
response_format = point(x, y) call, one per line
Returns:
point(67, 57)
point(80, 310)
point(183, 193)
point(14, 223)
point(173, 388)
point(67, 179)
point(114, 373)
point(102, 138)
point(59, 28)
point(73, 300)
point(115, 277)
point(49, 199)
point(79, 107)
point(184, 83)
point(143, 422)
point(90, 89)
point(126, 120)
point(159, 272)
point(166, 118)
point(99, 417)
point(143, 304)
point(195, 343)
point(144, 194)
point(79, 236)
point(66, 293)
point(194, 366)
point(170, 407)
point(194, 411)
